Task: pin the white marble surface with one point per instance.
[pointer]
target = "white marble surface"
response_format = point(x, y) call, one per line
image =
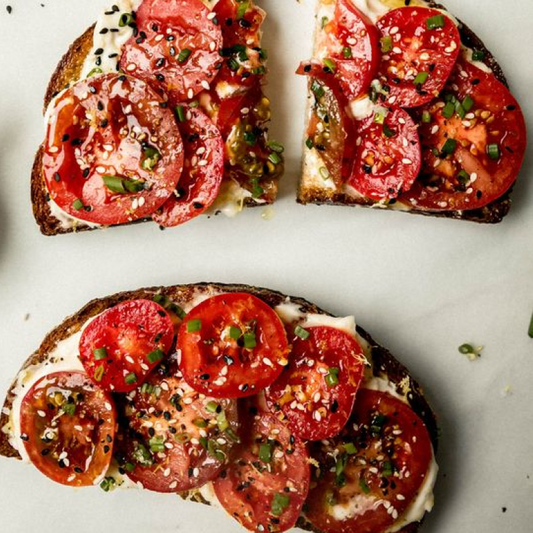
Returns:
point(421, 286)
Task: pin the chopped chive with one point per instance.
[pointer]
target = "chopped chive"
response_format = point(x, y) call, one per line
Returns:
point(200, 422)
point(155, 356)
point(388, 469)
point(130, 378)
point(151, 158)
point(435, 22)
point(241, 10)
point(493, 151)
point(157, 444)
point(463, 177)
point(448, 110)
point(99, 373)
point(180, 113)
point(330, 64)
point(69, 408)
point(466, 349)
point(449, 147)
point(114, 184)
point(108, 483)
point(468, 102)
point(379, 118)
point(142, 456)
point(309, 143)
point(257, 190)
point(421, 78)
point(478, 55)
point(347, 52)
point(232, 435)
point(129, 467)
point(147, 388)
point(349, 448)
point(184, 55)
point(324, 21)
point(250, 138)
point(332, 377)
point(274, 158)
point(99, 353)
point(275, 146)
point(388, 132)
point(94, 71)
point(249, 340)
point(364, 487)
point(194, 325)
point(460, 110)
point(426, 117)
point(212, 407)
point(301, 332)
point(280, 502)
point(386, 44)
point(235, 333)
point(222, 421)
point(203, 442)
point(125, 19)
point(317, 89)
point(77, 204)
point(265, 452)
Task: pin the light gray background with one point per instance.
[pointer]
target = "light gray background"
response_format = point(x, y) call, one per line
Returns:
point(421, 286)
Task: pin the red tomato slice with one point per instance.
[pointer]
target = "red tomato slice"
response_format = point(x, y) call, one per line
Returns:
point(265, 487)
point(316, 392)
point(176, 47)
point(469, 175)
point(111, 128)
point(68, 428)
point(353, 42)
point(181, 439)
point(420, 48)
point(232, 345)
point(243, 57)
point(121, 346)
point(202, 172)
point(381, 460)
point(330, 127)
point(387, 156)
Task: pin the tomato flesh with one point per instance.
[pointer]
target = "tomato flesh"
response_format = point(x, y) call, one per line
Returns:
point(178, 439)
point(352, 41)
point(176, 48)
point(202, 171)
point(265, 487)
point(418, 59)
point(387, 156)
point(381, 460)
point(467, 177)
point(316, 392)
point(232, 345)
point(121, 346)
point(68, 428)
point(106, 127)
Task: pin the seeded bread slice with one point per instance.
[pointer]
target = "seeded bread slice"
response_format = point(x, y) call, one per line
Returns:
point(67, 72)
point(311, 193)
point(383, 363)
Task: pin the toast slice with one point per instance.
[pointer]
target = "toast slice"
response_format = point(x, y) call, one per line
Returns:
point(53, 221)
point(314, 191)
point(382, 364)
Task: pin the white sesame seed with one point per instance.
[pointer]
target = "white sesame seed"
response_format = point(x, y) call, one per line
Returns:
point(42, 414)
point(142, 201)
point(190, 93)
point(394, 30)
point(424, 56)
point(173, 485)
point(211, 15)
point(205, 85)
point(53, 149)
point(407, 161)
point(400, 497)
point(100, 170)
point(131, 67)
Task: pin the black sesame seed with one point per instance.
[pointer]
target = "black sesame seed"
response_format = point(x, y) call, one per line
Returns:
point(204, 377)
point(98, 61)
point(85, 172)
point(170, 38)
point(78, 470)
point(98, 51)
point(307, 68)
point(106, 449)
point(154, 27)
point(9, 9)
point(24, 437)
point(160, 62)
point(104, 123)
point(103, 31)
point(172, 51)
point(122, 78)
point(163, 104)
point(160, 77)
point(65, 138)
point(92, 89)
point(197, 205)
point(245, 23)
point(111, 56)
point(57, 177)
point(151, 432)
point(229, 22)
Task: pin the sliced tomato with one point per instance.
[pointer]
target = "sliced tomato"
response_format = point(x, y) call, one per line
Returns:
point(352, 41)
point(242, 55)
point(121, 346)
point(330, 127)
point(265, 487)
point(202, 172)
point(473, 143)
point(232, 345)
point(177, 47)
point(387, 155)
point(111, 154)
point(178, 439)
point(316, 392)
point(372, 472)
point(420, 47)
point(67, 426)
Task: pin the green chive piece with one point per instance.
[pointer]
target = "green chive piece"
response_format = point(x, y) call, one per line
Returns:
point(466, 349)
point(200, 422)
point(493, 151)
point(177, 310)
point(468, 103)
point(460, 110)
point(257, 190)
point(347, 52)
point(108, 483)
point(222, 421)
point(265, 452)
point(147, 388)
point(317, 89)
point(449, 147)
point(330, 64)
point(180, 113)
point(309, 143)
point(194, 325)
point(131, 378)
point(435, 22)
point(125, 19)
point(235, 333)
point(69, 408)
point(421, 78)
point(275, 146)
point(388, 469)
point(212, 407)
point(99, 373)
point(99, 353)
point(426, 117)
point(129, 467)
point(448, 110)
point(96, 70)
point(157, 443)
point(364, 487)
point(349, 448)
point(142, 456)
point(530, 330)
point(324, 21)
point(242, 9)
point(463, 177)
point(155, 356)
point(114, 184)
point(151, 158)
point(388, 132)
point(77, 204)
point(204, 442)
point(301, 332)
point(478, 55)
point(274, 158)
point(386, 44)
point(249, 138)
point(332, 377)
point(379, 118)
point(280, 502)
point(250, 341)
point(184, 55)
point(232, 435)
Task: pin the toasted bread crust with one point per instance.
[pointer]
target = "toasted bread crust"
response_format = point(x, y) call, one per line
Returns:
point(68, 71)
point(489, 214)
point(382, 360)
